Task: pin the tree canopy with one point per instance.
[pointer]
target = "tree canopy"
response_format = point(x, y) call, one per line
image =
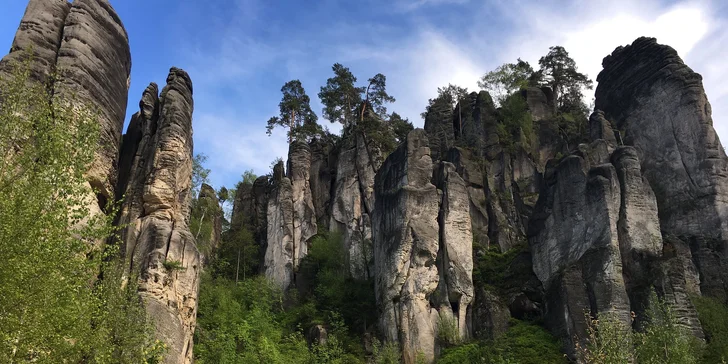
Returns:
point(340, 97)
point(506, 79)
point(559, 71)
point(295, 113)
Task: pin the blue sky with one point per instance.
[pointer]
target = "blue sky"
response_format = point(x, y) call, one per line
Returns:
point(240, 52)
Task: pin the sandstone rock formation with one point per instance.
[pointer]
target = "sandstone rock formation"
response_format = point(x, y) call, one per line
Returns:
point(423, 252)
point(208, 241)
point(304, 212)
point(159, 244)
point(353, 201)
point(406, 247)
point(85, 44)
point(576, 250)
point(39, 36)
point(279, 263)
point(659, 106)
point(455, 253)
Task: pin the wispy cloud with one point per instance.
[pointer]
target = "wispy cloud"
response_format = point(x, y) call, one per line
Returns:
point(410, 5)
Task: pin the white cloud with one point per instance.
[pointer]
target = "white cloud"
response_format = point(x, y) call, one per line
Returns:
point(430, 55)
point(233, 146)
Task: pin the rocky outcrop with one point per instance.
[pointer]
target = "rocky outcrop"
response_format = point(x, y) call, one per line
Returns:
point(455, 255)
point(86, 46)
point(406, 245)
point(352, 203)
point(39, 36)
point(576, 251)
point(279, 261)
point(659, 106)
point(472, 171)
point(211, 215)
point(157, 164)
point(439, 128)
point(323, 172)
point(304, 213)
point(94, 64)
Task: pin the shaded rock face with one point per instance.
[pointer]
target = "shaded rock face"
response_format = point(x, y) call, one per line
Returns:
point(439, 128)
point(492, 313)
point(575, 250)
point(659, 106)
point(352, 203)
point(212, 211)
point(85, 43)
point(597, 246)
point(422, 248)
point(323, 173)
point(156, 164)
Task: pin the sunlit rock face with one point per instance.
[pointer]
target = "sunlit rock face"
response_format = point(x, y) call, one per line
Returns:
point(156, 165)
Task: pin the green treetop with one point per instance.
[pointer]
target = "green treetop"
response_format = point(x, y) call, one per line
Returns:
point(506, 79)
point(340, 97)
point(376, 95)
point(295, 113)
point(559, 72)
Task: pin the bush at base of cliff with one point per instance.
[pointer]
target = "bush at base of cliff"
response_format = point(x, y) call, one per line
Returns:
point(713, 316)
point(523, 343)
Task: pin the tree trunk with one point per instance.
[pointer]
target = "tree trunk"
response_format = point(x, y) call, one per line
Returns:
point(291, 126)
point(237, 268)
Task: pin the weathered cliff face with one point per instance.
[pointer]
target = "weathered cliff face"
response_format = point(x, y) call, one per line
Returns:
point(576, 247)
point(659, 106)
point(406, 247)
point(85, 44)
point(39, 35)
point(158, 243)
point(279, 259)
point(352, 203)
point(423, 261)
point(210, 213)
point(455, 255)
point(304, 212)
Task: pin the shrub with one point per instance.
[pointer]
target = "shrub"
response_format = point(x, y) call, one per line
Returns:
point(663, 339)
point(448, 333)
point(387, 353)
point(523, 343)
point(173, 265)
point(609, 341)
point(713, 316)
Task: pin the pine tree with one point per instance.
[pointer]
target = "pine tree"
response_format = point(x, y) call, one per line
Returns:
point(295, 113)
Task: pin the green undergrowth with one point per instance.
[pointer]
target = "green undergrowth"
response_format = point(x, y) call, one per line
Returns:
point(254, 321)
point(713, 316)
point(496, 270)
point(523, 343)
